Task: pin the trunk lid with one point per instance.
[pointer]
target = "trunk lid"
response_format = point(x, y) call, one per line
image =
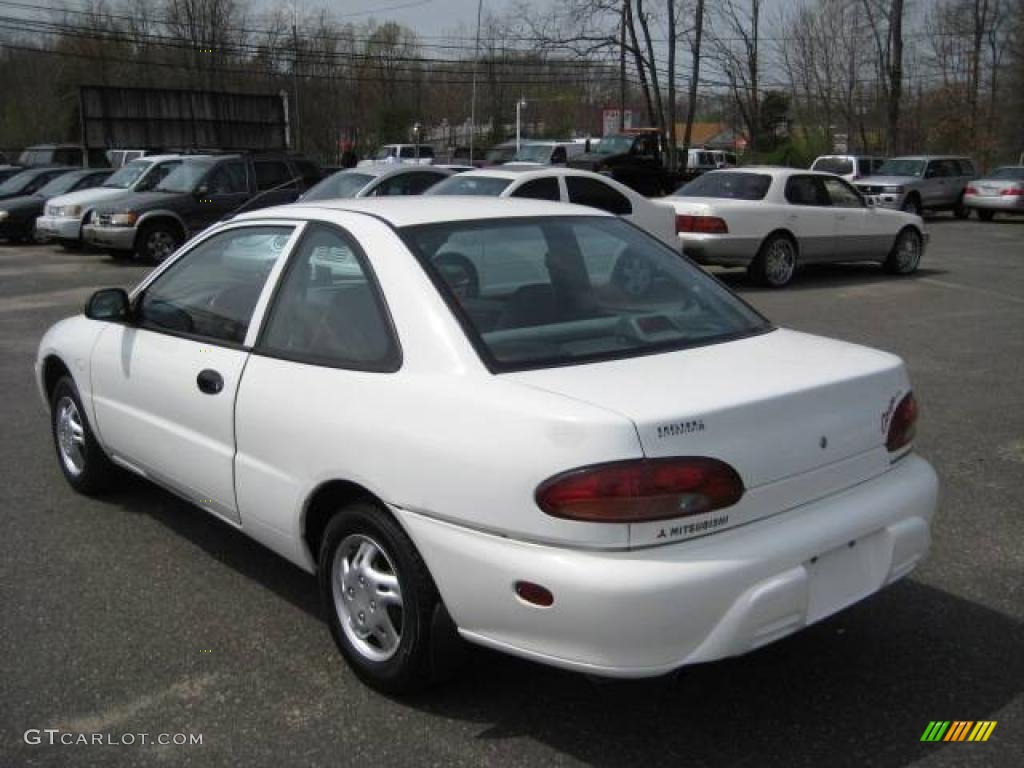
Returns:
point(798, 416)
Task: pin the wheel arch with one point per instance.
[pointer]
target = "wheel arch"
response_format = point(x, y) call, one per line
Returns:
point(321, 505)
point(783, 232)
point(157, 217)
point(54, 369)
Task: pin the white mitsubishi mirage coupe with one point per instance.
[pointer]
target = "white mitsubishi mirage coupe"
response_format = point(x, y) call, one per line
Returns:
point(559, 469)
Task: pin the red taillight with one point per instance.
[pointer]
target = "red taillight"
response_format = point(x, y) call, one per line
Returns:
point(1013, 191)
point(903, 425)
point(641, 490)
point(708, 225)
point(971, 190)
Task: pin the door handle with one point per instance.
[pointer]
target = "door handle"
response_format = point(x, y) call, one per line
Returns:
point(209, 381)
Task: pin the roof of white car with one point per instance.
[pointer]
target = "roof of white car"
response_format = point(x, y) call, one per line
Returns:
point(519, 171)
point(377, 170)
point(411, 210)
point(775, 171)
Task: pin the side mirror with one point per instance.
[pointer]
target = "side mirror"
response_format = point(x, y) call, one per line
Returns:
point(109, 304)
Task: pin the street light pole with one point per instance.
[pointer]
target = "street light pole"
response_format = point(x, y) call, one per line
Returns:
point(476, 65)
point(519, 106)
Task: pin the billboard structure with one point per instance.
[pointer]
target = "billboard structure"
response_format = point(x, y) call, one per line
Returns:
point(174, 119)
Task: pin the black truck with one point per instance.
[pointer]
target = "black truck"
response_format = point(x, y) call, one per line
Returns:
point(636, 158)
point(203, 190)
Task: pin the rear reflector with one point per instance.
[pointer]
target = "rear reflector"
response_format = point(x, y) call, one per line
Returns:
point(971, 191)
point(708, 225)
point(903, 425)
point(641, 490)
point(534, 593)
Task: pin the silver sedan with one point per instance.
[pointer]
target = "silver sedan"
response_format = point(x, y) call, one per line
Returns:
point(1001, 191)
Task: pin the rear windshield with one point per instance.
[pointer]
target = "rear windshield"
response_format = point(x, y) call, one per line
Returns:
point(837, 165)
point(541, 292)
point(338, 185)
point(733, 185)
point(60, 185)
point(1009, 172)
point(901, 168)
point(484, 186)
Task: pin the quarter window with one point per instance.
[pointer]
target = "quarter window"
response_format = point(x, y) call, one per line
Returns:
point(806, 190)
point(228, 179)
point(328, 310)
point(211, 292)
point(586, 191)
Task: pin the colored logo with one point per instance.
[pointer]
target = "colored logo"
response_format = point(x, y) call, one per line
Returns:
point(958, 730)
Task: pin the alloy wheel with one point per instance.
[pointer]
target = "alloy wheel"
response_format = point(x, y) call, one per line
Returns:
point(780, 262)
point(70, 436)
point(160, 245)
point(908, 252)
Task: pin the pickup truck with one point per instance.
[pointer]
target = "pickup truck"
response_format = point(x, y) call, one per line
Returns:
point(201, 191)
point(634, 158)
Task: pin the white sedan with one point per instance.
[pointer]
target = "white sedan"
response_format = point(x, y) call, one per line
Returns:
point(775, 220)
point(560, 470)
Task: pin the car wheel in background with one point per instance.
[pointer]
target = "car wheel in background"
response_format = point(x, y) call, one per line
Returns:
point(986, 215)
point(775, 263)
point(156, 241)
point(960, 210)
point(81, 459)
point(905, 255)
point(72, 246)
point(379, 598)
point(633, 275)
point(912, 205)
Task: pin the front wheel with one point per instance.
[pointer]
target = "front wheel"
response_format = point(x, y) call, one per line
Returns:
point(379, 598)
point(775, 263)
point(912, 205)
point(905, 255)
point(157, 241)
point(83, 462)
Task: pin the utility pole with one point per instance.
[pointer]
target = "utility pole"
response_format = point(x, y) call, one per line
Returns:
point(622, 69)
point(519, 107)
point(295, 72)
point(476, 65)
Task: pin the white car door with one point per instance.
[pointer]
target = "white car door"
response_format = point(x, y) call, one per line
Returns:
point(810, 217)
point(655, 219)
point(856, 228)
point(164, 384)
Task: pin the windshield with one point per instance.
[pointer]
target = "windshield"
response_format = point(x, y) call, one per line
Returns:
point(59, 185)
point(484, 186)
point(186, 176)
point(341, 184)
point(561, 290)
point(127, 175)
point(901, 168)
point(614, 145)
point(735, 185)
point(500, 154)
point(836, 165)
point(383, 153)
point(534, 153)
point(17, 182)
point(1008, 172)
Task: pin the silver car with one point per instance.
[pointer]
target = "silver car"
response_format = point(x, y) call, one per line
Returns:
point(921, 183)
point(1001, 191)
point(380, 180)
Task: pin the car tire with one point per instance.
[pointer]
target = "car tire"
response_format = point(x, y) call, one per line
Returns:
point(156, 241)
point(71, 246)
point(81, 459)
point(986, 215)
point(468, 287)
point(905, 256)
point(960, 210)
point(117, 255)
point(776, 262)
point(912, 205)
point(379, 599)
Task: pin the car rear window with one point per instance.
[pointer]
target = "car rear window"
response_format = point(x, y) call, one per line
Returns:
point(837, 165)
point(542, 292)
point(338, 185)
point(734, 185)
point(484, 186)
point(1009, 172)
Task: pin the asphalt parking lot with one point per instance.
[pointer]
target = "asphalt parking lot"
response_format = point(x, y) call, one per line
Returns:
point(139, 614)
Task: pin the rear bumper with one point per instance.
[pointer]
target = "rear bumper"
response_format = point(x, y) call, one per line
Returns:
point(117, 238)
point(724, 250)
point(1008, 203)
point(59, 228)
point(646, 612)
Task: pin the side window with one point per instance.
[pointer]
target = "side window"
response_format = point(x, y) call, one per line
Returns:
point(212, 290)
point(40, 181)
point(939, 169)
point(328, 311)
point(841, 194)
point(156, 175)
point(586, 191)
point(558, 156)
point(227, 179)
point(966, 167)
point(91, 181)
point(806, 190)
point(406, 184)
point(539, 189)
point(271, 173)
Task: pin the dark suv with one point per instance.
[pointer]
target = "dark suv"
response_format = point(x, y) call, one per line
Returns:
point(203, 190)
